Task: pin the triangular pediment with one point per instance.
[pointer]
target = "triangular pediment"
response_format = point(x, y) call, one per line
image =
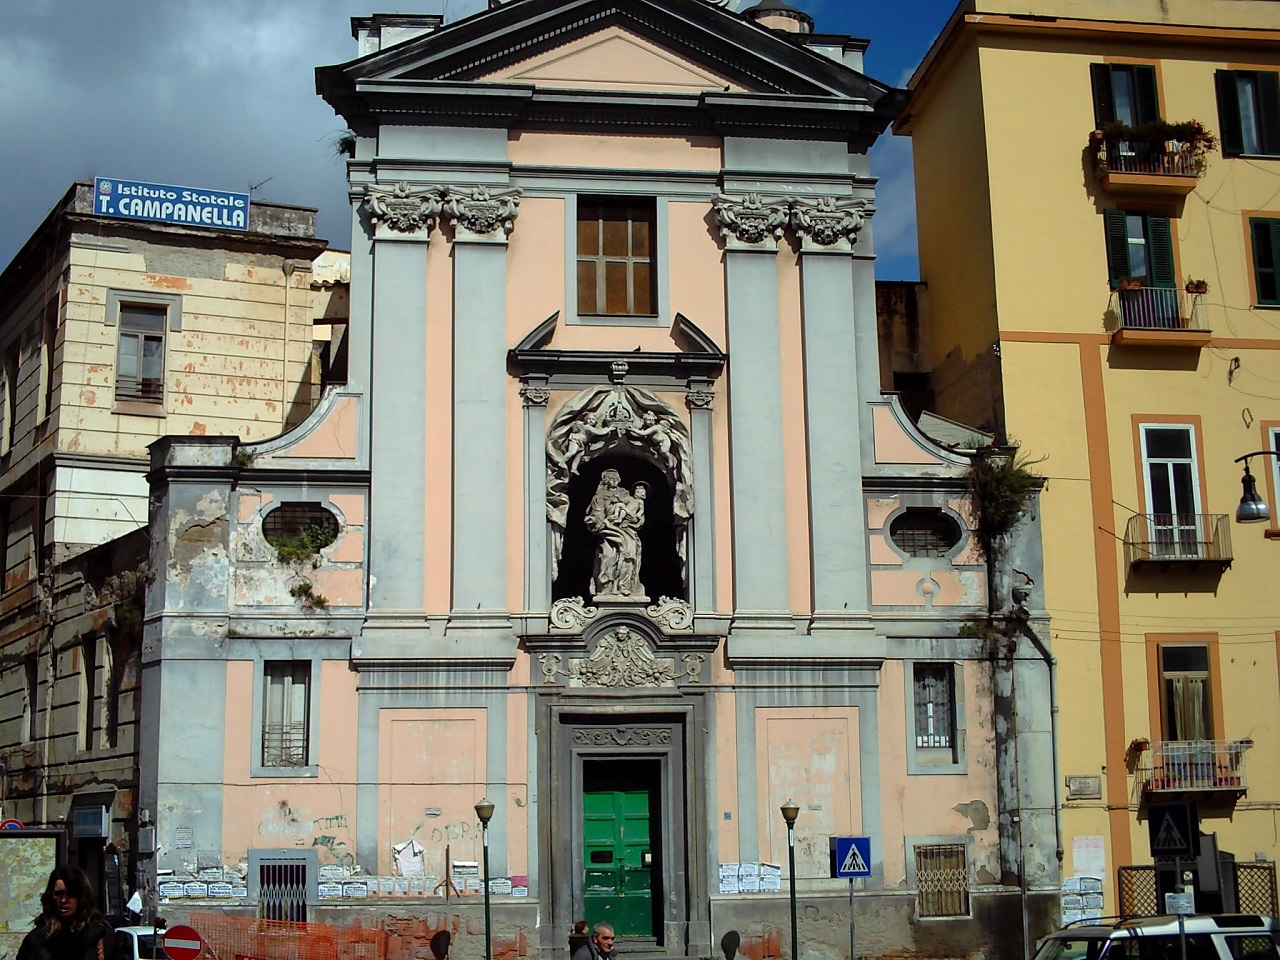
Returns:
point(676, 46)
point(614, 59)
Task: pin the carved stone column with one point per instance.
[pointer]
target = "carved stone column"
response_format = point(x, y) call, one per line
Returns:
point(828, 229)
point(751, 226)
point(402, 216)
point(482, 219)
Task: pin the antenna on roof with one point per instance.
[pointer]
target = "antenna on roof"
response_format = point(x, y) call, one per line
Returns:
point(255, 186)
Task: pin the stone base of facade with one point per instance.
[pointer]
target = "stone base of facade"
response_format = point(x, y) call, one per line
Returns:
point(756, 927)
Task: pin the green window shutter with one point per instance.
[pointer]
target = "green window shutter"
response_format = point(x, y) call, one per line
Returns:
point(1117, 246)
point(1147, 108)
point(1229, 113)
point(1269, 112)
point(1104, 106)
point(1266, 242)
point(1160, 250)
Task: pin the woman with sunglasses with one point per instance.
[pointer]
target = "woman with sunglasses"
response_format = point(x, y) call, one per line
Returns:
point(69, 926)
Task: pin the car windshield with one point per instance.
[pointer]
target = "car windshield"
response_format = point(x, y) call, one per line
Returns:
point(1071, 948)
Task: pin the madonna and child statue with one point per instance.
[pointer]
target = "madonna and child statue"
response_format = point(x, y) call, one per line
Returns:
point(616, 515)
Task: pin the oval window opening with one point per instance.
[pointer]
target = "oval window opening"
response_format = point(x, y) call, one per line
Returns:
point(924, 532)
point(299, 530)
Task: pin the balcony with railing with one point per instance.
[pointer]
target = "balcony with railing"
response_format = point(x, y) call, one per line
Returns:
point(1161, 159)
point(1158, 316)
point(1185, 538)
point(1193, 766)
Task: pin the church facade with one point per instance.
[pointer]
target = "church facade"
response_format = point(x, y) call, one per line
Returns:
point(611, 526)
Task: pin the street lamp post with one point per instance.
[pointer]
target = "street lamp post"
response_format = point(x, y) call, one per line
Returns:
point(484, 810)
point(790, 810)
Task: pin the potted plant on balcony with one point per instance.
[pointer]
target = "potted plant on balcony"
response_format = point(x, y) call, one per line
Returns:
point(1163, 147)
point(1197, 286)
point(1130, 283)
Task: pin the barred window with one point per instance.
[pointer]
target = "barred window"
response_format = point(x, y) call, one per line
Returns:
point(935, 704)
point(924, 532)
point(942, 878)
point(286, 713)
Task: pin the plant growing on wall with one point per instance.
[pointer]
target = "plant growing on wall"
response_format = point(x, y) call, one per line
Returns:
point(1001, 486)
point(300, 550)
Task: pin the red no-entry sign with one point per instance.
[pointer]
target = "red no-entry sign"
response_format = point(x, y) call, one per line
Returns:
point(182, 943)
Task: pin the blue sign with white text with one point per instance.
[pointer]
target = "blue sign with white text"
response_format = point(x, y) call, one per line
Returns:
point(162, 203)
point(851, 857)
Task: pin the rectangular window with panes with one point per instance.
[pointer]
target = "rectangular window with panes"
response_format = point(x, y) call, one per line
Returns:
point(1124, 93)
point(1249, 112)
point(1264, 238)
point(616, 257)
point(286, 708)
point(140, 353)
point(935, 705)
point(1140, 267)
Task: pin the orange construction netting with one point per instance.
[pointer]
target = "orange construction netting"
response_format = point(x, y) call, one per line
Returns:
point(249, 938)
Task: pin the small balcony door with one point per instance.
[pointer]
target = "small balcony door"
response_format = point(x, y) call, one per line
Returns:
point(1173, 491)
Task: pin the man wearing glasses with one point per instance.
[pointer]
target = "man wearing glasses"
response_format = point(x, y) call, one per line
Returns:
point(600, 946)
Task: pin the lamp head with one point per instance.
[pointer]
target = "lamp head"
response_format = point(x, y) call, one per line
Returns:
point(790, 810)
point(1252, 509)
point(484, 810)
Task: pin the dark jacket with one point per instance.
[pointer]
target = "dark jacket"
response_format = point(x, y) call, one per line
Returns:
point(589, 951)
point(68, 944)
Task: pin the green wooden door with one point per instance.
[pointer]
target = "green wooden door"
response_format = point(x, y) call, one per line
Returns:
point(619, 885)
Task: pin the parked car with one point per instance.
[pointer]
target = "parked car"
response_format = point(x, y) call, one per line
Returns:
point(1235, 936)
point(139, 943)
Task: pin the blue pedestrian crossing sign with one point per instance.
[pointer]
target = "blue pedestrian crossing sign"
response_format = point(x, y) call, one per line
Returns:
point(851, 857)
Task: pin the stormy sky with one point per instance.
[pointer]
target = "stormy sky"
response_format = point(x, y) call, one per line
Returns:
point(222, 95)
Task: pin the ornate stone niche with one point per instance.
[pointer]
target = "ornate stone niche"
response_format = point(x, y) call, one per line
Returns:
point(620, 486)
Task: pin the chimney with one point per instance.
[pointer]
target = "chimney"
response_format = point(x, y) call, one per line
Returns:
point(384, 30)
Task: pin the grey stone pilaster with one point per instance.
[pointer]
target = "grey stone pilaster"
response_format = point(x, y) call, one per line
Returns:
point(702, 557)
point(756, 452)
point(537, 574)
point(479, 435)
point(838, 536)
point(398, 502)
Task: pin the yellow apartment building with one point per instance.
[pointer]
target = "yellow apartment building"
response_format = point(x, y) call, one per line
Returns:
point(1098, 190)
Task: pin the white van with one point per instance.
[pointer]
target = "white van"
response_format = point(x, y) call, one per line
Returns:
point(139, 943)
point(1235, 936)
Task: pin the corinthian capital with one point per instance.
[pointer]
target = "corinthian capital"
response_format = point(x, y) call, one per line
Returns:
point(482, 213)
point(403, 208)
point(751, 221)
point(829, 221)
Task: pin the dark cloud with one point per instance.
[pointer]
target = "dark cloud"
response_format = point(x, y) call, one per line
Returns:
point(222, 95)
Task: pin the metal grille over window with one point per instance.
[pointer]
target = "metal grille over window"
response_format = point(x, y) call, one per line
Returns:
point(923, 532)
point(286, 703)
point(283, 891)
point(942, 877)
point(140, 354)
point(297, 526)
point(935, 704)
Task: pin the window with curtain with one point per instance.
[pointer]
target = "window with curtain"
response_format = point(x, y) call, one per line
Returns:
point(286, 706)
point(935, 704)
point(140, 353)
point(1184, 677)
point(1249, 112)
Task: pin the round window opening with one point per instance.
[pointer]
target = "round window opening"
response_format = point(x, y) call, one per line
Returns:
point(299, 530)
point(925, 532)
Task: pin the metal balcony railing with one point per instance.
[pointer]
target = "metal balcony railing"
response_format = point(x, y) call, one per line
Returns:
point(1171, 158)
point(1158, 308)
point(1183, 537)
point(1193, 765)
